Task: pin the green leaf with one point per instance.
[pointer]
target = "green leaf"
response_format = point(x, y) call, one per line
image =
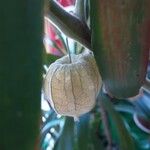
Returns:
point(66, 141)
point(49, 58)
point(141, 138)
point(80, 135)
point(88, 128)
point(125, 106)
point(123, 137)
point(20, 73)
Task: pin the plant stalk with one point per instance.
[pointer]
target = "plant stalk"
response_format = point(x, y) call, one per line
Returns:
point(105, 121)
point(68, 50)
point(68, 23)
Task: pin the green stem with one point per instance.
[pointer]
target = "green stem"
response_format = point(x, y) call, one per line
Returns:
point(80, 9)
point(68, 50)
point(68, 23)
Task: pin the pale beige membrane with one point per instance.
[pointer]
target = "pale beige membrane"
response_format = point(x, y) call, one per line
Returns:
point(72, 88)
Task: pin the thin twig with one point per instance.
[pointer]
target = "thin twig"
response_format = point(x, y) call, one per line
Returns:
point(105, 121)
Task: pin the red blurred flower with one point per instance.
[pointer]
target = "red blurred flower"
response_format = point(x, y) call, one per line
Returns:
point(50, 37)
point(50, 34)
point(66, 3)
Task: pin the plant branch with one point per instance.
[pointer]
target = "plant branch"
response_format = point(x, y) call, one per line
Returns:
point(105, 121)
point(68, 23)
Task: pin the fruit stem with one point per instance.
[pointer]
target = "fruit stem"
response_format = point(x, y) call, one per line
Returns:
point(68, 50)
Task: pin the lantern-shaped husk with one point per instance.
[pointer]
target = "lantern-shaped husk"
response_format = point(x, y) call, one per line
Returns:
point(72, 88)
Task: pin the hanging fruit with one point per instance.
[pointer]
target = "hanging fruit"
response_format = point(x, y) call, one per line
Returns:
point(72, 85)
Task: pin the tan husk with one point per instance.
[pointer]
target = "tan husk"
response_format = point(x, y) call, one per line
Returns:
point(72, 88)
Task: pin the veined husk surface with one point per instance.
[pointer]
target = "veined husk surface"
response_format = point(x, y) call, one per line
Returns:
point(72, 88)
